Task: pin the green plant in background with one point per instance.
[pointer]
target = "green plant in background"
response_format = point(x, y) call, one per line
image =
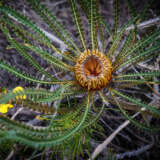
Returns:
point(95, 72)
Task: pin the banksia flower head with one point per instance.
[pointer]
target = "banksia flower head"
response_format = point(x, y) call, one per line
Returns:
point(93, 70)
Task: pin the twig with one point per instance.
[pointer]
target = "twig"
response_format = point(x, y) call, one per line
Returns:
point(135, 152)
point(52, 37)
point(49, 35)
point(145, 24)
point(17, 112)
point(55, 3)
point(145, 66)
point(103, 145)
point(10, 155)
point(38, 85)
point(156, 86)
point(12, 118)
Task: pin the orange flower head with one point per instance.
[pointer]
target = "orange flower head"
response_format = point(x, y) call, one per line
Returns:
point(93, 70)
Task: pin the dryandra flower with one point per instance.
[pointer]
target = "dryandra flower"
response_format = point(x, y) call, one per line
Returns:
point(93, 70)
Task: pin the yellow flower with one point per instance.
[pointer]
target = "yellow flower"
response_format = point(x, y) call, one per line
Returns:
point(17, 89)
point(4, 107)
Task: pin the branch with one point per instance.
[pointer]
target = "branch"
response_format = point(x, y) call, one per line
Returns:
point(145, 24)
point(134, 152)
point(103, 145)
